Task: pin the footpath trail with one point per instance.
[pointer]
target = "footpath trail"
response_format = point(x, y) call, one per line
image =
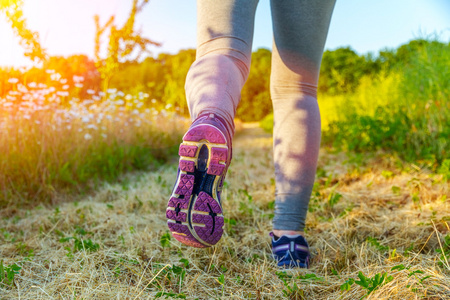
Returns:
point(369, 213)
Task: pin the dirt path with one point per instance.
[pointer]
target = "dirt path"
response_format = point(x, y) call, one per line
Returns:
point(368, 213)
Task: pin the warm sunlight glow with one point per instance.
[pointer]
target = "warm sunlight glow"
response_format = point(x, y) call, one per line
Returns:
point(102, 172)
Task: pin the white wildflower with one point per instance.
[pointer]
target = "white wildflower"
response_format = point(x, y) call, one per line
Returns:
point(66, 86)
point(87, 136)
point(96, 98)
point(37, 122)
point(78, 85)
point(13, 80)
point(128, 97)
point(104, 136)
point(49, 71)
point(87, 102)
point(55, 76)
point(111, 91)
point(153, 101)
point(78, 78)
point(32, 84)
point(62, 94)
point(168, 106)
point(21, 88)
point(120, 102)
point(101, 94)
point(85, 119)
point(90, 92)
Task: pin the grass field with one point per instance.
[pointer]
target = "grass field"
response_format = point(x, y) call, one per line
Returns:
point(378, 227)
point(85, 180)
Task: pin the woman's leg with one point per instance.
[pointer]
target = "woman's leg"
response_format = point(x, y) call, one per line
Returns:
point(300, 30)
point(213, 87)
point(224, 44)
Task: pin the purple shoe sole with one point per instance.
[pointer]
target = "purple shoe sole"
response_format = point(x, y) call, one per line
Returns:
point(194, 211)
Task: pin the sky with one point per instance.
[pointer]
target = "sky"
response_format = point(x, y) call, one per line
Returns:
point(67, 27)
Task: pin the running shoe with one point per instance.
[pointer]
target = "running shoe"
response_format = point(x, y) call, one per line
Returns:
point(290, 251)
point(194, 211)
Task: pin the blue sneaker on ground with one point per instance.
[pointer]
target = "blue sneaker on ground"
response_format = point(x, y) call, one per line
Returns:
point(290, 251)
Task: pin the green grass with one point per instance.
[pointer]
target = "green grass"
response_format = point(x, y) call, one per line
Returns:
point(406, 111)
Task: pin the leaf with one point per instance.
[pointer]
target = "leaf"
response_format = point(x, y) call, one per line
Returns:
point(363, 280)
point(2, 271)
point(333, 199)
point(423, 279)
point(185, 262)
point(347, 284)
point(66, 239)
point(165, 240)
point(221, 279)
point(15, 268)
point(310, 277)
point(177, 270)
point(415, 272)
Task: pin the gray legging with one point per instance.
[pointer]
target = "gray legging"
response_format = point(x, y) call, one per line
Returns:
point(215, 80)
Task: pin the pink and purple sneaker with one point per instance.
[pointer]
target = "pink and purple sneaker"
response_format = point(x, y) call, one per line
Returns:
point(194, 212)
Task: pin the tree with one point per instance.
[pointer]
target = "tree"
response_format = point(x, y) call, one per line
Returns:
point(28, 39)
point(341, 70)
point(255, 97)
point(122, 42)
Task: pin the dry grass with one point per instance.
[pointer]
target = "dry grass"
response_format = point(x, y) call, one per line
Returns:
point(127, 220)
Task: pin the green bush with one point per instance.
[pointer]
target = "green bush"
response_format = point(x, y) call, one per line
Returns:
point(416, 122)
point(405, 110)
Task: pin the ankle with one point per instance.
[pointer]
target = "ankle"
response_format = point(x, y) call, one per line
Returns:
point(279, 233)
